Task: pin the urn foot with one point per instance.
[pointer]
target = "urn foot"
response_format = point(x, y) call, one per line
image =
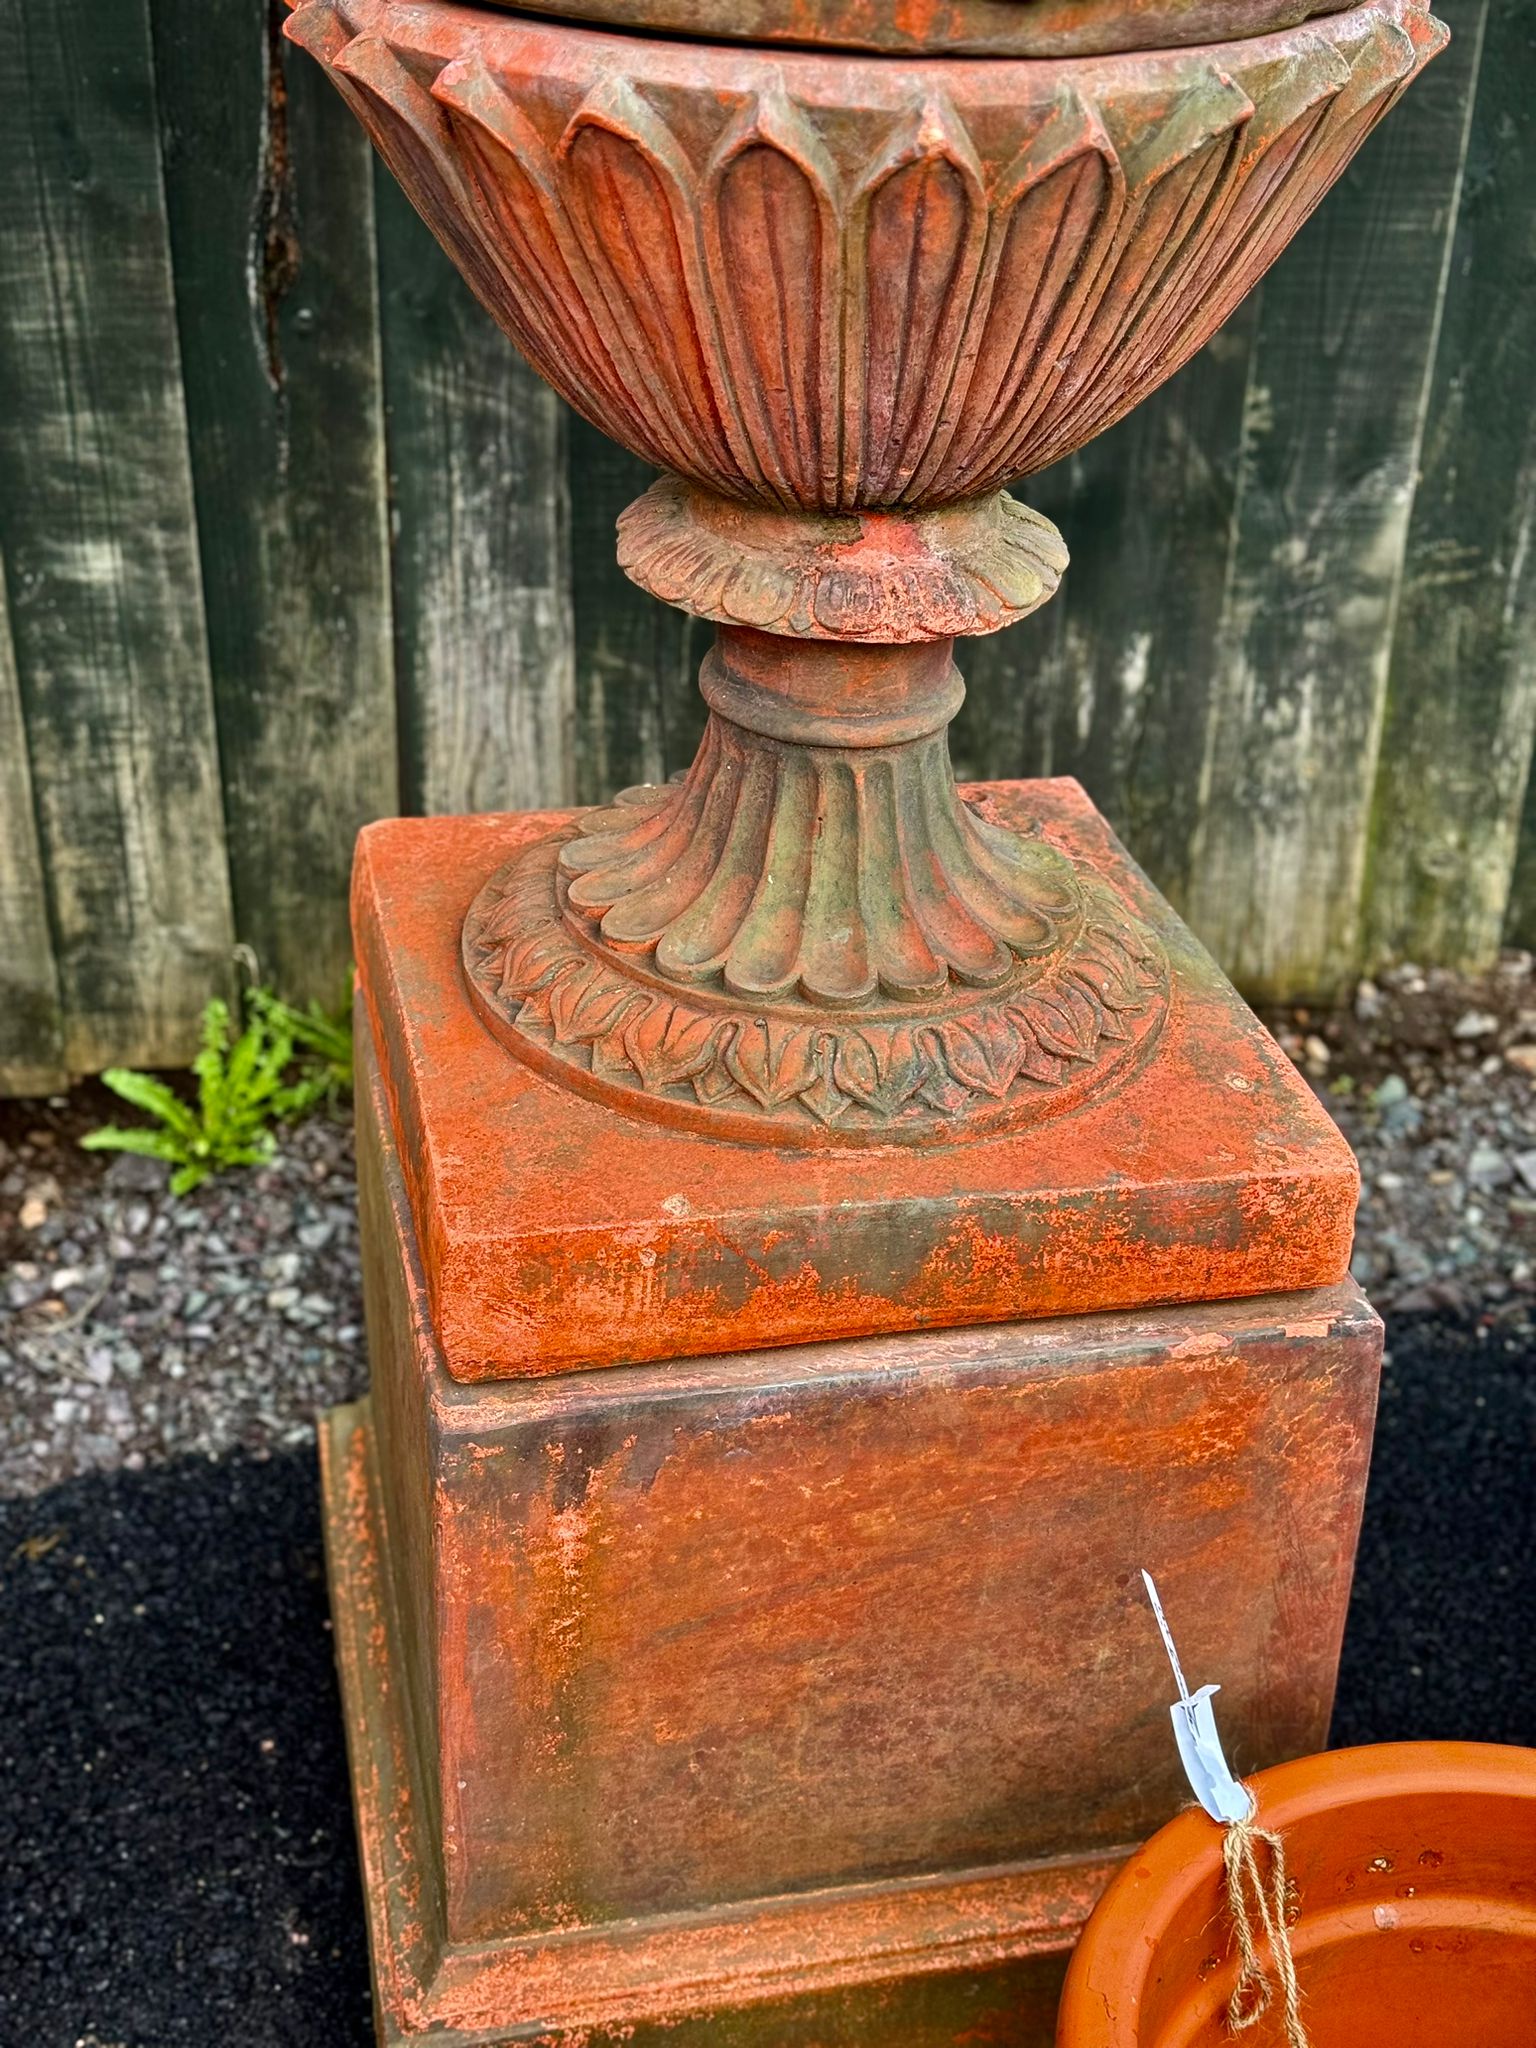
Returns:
point(811, 938)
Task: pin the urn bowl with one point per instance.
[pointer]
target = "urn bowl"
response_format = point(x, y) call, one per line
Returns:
point(836, 282)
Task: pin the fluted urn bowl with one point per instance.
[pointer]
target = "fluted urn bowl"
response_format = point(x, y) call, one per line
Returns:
point(840, 300)
point(836, 282)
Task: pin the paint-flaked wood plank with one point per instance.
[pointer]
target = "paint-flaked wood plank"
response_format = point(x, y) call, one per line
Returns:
point(1112, 681)
point(638, 709)
point(270, 190)
point(482, 579)
point(31, 1020)
point(1333, 422)
point(96, 524)
point(1461, 700)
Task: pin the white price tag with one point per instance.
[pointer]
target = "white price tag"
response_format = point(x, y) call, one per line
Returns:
point(1194, 1730)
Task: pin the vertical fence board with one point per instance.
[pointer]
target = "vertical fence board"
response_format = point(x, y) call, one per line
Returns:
point(269, 188)
point(31, 1022)
point(1112, 681)
point(96, 522)
point(1337, 387)
point(484, 648)
point(1461, 704)
point(1013, 679)
point(639, 712)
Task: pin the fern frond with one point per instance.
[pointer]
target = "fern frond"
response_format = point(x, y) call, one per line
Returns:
point(210, 1064)
point(147, 1144)
point(246, 1086)
point(330, 1037)
point(152, 1096)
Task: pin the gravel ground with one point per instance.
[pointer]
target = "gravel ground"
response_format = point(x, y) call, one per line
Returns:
point(1432, 1078)
point(134, 1327)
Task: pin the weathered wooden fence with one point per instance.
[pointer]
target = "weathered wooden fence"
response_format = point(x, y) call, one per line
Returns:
point(291, 539)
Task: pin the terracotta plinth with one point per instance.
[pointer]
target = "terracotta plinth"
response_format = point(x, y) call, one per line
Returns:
point(827, 1229)
point(557, 1234)
point(798, 1695)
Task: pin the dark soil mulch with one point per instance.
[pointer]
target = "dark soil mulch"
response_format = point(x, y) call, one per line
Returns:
point(174, 1828)
point(1442, 1628)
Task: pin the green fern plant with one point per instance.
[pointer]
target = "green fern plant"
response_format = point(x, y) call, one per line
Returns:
point(242, 1095)
point(326, 1038)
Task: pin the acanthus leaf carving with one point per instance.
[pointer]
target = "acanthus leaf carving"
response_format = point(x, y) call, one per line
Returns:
point(771, 217)
point(549, 280)
point(666, 1045)
point(1171, 168)
point(915, 232)
point(891, 579)
point(774, 1061)
point(1060, 194)
point(1022, 1050)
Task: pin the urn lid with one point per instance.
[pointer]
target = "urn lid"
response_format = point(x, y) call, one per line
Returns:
point(977, 28)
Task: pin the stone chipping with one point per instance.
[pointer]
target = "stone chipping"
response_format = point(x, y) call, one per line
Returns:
point(135, 1327)
point(1432, 1078)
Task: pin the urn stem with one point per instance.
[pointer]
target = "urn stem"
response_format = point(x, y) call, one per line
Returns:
point(817, 851)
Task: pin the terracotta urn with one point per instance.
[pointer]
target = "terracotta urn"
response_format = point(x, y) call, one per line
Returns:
point(1414, 1874)
point(841, 301)
point(806, 1204)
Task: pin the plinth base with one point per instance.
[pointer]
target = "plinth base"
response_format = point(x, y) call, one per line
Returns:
point(808, 1696)
point(978, 1961)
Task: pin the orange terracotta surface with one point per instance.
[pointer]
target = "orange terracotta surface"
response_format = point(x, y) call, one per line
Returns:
point(1414, 1867)
point(559, 1232)
point(1049, 240)
point(729, 1561)
point(978, 1962)
point(1030, 28)
point(815, 1680)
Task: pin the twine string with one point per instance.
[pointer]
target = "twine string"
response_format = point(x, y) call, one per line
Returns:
point(1258, 1905)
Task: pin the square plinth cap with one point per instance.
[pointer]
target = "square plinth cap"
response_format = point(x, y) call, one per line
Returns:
point(560, 1233)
